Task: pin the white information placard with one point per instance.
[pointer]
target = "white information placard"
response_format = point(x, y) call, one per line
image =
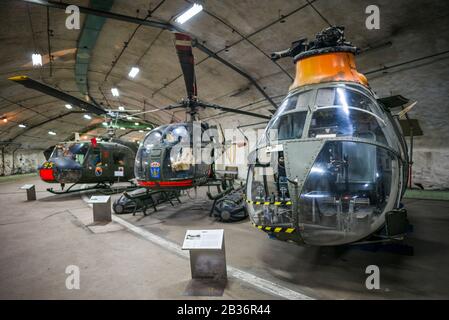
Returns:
point(119, 174)
point(203, 239)
point(99, 199)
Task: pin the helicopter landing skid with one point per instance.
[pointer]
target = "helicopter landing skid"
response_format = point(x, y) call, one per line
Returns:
point(395, 246)
point(382, 242)
point(70, 190)
point(102, 187)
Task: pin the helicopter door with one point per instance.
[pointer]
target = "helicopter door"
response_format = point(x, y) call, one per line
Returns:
point(119, 162)
point(299, 158)
point(95, 163)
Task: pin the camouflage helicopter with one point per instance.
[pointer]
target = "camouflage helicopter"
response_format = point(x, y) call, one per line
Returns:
point(101, 161)
point(331, 167)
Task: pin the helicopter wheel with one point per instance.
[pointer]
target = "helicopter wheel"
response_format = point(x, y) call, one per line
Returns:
point(225, 215)
point(119, 209)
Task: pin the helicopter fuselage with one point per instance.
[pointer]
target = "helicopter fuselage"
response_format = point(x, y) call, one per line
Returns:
point(166, 159)
point(83, 162)
point(332, 162)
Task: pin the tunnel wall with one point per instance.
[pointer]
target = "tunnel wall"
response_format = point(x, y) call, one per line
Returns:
point(21, 161)
point(431, 168)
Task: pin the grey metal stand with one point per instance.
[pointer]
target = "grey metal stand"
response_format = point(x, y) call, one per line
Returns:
point(207, 262)
point(31, 191)
point(101, 208)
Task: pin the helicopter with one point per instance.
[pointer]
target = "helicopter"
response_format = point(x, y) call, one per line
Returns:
point(166, 158)
point(85, 162)
point(331, 167)
point(101, 161)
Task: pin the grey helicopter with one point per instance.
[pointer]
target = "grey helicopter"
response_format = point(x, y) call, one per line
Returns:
point(332, 165)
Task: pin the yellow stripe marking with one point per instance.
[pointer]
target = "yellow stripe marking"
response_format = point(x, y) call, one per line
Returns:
point(268, 228)
point(277, 229)
point(290, 230)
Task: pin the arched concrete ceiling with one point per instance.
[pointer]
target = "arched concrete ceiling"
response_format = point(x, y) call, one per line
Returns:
point(408, 55)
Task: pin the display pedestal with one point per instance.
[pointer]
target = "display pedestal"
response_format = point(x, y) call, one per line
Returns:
point(101, 208)
point(207, 262)
point(31, 191)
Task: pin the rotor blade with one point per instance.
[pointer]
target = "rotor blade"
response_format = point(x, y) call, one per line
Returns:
point(183, 44)
point(217, 107)
point(169, 107)
point(38, 86)
point(403, 112)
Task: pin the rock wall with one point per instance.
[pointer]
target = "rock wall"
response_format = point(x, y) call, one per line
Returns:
point(431, 168)
point(23, 161)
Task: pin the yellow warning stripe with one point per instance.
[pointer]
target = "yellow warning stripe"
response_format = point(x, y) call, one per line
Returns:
point(266, 203)
point(274, 229)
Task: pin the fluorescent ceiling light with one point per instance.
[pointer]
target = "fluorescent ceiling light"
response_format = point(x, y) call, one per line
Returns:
point(87, 117)
point(133, 72)
point(148, 128)
point(121, 108)
point(5, 119)
point(129, 118)
point(194, 10)
point(122, 128)
point(136, 123)
point(115, 92)
point(105, 123)
point(68, 106)
point(52, 133)
point(37, 59)
point(141, 131)
point(22, 125)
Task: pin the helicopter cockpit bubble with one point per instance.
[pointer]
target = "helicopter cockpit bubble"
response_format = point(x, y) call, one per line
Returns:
point(65, 163)
point(334, 167)
point(166, 153)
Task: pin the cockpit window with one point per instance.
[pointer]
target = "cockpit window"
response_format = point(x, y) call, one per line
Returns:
point(176, 133)
point(339, 121)
point(153, 138)
point(343, 97)
point(295, 101)
point(75, 151)
point(288, 126)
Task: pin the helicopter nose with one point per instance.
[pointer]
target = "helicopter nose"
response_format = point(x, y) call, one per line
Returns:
point(62, 170)
point(46, 171)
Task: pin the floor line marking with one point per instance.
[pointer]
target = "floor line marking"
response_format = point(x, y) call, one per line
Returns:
point(255, 281)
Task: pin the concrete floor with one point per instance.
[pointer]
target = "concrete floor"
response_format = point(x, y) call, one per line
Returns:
point(39, 239)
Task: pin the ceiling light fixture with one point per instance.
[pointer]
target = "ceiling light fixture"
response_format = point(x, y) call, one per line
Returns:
point(115, 92)
point(22, 125)
point(37, 59)
point(87, 117)
point(133, 72)
point(68, 106)
point(194, 10)
point(121, 108)
point(136, 123)
point(52, 133)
